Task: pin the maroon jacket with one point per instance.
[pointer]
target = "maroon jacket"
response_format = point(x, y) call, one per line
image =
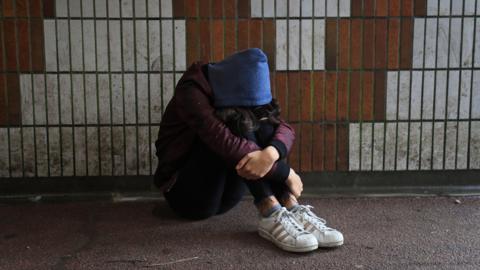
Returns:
point(190, 113)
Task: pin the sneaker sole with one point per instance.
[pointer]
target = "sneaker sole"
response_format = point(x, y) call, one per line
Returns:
point(283, 246)
point(333, 244)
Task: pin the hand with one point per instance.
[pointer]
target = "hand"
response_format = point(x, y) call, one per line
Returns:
point(294, 183)
point(257, 164)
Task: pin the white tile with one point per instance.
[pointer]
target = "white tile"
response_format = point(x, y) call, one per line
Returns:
point(462, 145)
point(455, 39)
point(281, 45)
point(76, 45)
point(39, 100)
point(93, 151)
point(61, 9)
point(117, 99)
point(105, 151)
point(427, 103)
point(16, 152)
point(128, 49)
point(78, 99)
point(438, 140)
point(42, 156)
point(440, 94)
point(142, 98)
point(4, 164)
point(80, 151)
point(140, 8)
point(153, 156)
point(477, 42)
point(91, 98)
point(131, 147)
point(426, 150)
point(476, 94)
point(167, 45)
point(118, 144)
point(63, 44)
point(104, 98)
point(168, 88)
point(414, 146)
point(180, 46)
point(354, 147)
point(143, 151)
point(141, 48)
point(87, 8)
point(102, 46)
point(100, 8)
point(154, 45)
point(319, 44)
point(378, 137)
point(113, 9)
point(115, 46)
point(402, 146)
point(50, 37)
point(416, 95)
point(457, 8)
point(54, 151)
point(450, 146)
point(75, 8)
point(418, 39)
point(432, 7)
point(155, 98)
point(467, 42)
point(319, 8)
point(26, 97)
point(126, 8)
point(366, 149)
point(281, 9)
point(268, 8)
point(67, 151)
point(294, 8)
point(332, 8)
point(465, 94)
point(28, 152)
point(390, 139)
point(392, 81)
point(430, 43)
point(306, 8)
point(442, 44)
point(444, 9)
point(66, 115)
point(294, 44)
point(153, 9)
point(452, 107)
point(404, 95)
point(306, 40)
point(52, 100)
point(166, 10)
point(474, 145)
point(256, 8)
point(130, 100)
point(344, 8)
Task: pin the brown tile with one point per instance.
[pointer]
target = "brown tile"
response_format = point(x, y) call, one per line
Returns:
point(381, 9)
point(306, 147)
point(407, 43)
point(23, 45)
point(367, 96)
point(3, 105)
point(21, 8)
point(243, 8)
point(36, 8)
point(368, 8)
point(393, 43)
point(8, 8)
point(217, 40)
point(342, 96)
point(331, 44)
point(356, 44)
point(318, 148)
point(9, 86)
point(269, 42)
point(255, 39)
point(230, 8)
point(394, 8)
point(356, 8)
point(205, 46)
point(36, 33)
point(242, 35)
point(420, 8)
point(343, 47)
point(230, 40)
point(380, 90)
point(10, 46)
point(342, 147)
point(217, 9)
point(293, 96)
point(273, 84)
point(1, 49)
point(330, 147)
point(281, 92)
point(330, 102)
point(407, 7)
point(318, 95)
point(204, 8)
point(368, 43)
point(306, 90)
point(192, 41)
point(178, 7)
point(354, 99)
point(380, 43)
point(191, 9)
point(294, 156)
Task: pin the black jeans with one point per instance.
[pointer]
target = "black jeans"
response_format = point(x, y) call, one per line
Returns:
point(206, 187)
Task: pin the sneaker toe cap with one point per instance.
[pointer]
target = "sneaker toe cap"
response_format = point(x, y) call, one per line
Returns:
point(306, 240)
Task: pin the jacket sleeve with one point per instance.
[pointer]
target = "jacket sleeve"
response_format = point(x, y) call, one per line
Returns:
point(194, 108)
point(283, 138)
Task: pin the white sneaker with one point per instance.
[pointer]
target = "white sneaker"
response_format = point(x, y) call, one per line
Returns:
point(327, 237)
point(284, 231)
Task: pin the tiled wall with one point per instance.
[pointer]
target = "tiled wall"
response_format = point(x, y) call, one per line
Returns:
point(382, 85)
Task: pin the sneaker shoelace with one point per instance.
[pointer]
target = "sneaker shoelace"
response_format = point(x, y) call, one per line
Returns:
point(307, 214)
point(289, 223)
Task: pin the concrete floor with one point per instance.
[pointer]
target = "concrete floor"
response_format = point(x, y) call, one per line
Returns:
point(380, 233)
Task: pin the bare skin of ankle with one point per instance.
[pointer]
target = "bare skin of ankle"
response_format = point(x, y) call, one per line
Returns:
point(266, 204)
point(289, 200)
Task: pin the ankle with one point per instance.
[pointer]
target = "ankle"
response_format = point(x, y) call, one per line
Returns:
point(268, 205)
point(289, 201)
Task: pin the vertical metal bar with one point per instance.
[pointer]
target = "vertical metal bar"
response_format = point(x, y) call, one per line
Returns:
point(422, 94)
point(84, 90)
point(123, 90)
point(59, 97)
point(148, 87)
point(361, 71)
point(397, 121)
point(99, 143)
point(47, 128)
point(409, 120)
point(388, 19)
point(374, 70)
point(447, 84)
point(337, 75)
point(71, 86)
point(434, 117)
point(323, 121)
point(134, 23)
point(312, 88)
point(110, 88)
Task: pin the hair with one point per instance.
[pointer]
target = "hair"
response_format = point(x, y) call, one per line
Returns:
point(241, 119)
